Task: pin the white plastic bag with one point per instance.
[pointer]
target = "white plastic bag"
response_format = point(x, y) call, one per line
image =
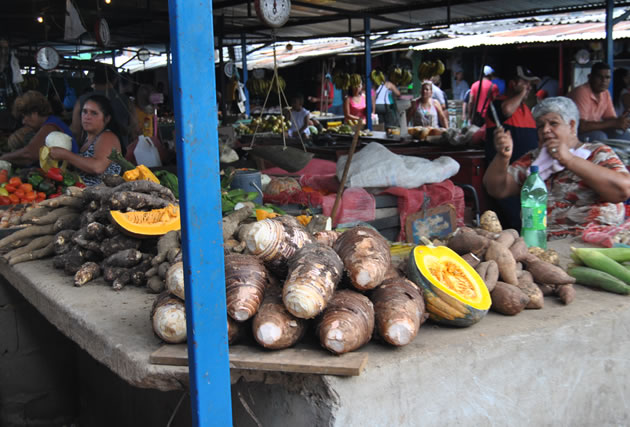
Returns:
point(146, 153)
point(376, 166)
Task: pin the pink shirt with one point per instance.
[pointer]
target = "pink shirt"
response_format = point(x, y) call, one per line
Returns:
point(593, 107)
point(358, 108)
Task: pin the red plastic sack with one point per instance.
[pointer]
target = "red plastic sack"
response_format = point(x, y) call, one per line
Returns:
point(295, 197)
point(603, 235)
point(412, 200)
point(356, 205)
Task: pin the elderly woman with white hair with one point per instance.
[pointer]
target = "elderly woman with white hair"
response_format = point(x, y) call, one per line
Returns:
point(585, 182)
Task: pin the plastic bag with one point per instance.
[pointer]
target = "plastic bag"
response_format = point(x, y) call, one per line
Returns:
point(146, 152)
point(376, 166)
point(607, 235)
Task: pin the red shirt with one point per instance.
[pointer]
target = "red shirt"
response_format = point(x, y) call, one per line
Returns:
point(593, 107)
point(486, 85)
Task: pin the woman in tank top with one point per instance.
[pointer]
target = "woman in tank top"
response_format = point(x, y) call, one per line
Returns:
point(354, 106)
point(425, 110)
point(99, 126)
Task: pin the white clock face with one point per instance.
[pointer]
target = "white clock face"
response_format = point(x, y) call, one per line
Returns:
point(102, 32)
point(274, 13)
point(47, 58)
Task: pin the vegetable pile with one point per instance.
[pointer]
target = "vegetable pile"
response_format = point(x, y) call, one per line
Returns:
point(603, 268)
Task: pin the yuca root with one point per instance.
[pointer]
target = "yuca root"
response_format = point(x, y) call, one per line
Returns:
point(37, 243)
point(37, 212)
point(69, 201)
point(33, 255)
point(136, 201)
point(26, 233)
point(118, 243)
point(144, 186)
point(53, 216)
point(68, 222)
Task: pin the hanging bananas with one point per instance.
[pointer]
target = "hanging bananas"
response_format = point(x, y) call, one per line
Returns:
point(428, 69)
point(341, 81)
point(378, 78)
point(355, 80)
point(260, 87)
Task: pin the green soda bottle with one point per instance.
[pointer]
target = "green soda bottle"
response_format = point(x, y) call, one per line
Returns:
point(534, 210)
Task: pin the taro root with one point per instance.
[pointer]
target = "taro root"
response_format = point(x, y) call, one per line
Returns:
point(347, 323)
point(275, 240)
point(314, 272)
point(398, 310)
point(274, 326)
point(245, 284)
point(168, 317)
point(365, 255)
point(175, 280)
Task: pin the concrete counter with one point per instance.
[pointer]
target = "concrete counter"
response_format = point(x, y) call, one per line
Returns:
point(562, 365)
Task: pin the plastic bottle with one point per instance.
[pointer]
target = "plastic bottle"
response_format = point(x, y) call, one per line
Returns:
point(534, 210)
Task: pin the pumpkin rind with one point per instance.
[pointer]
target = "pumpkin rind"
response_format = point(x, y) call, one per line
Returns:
point(445, 306)
point(150, 223)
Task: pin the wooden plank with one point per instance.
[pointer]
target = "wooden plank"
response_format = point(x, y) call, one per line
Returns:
point(297, 360)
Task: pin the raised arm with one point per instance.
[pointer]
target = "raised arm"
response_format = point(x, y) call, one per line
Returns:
point(91, 165)
point(498, 182)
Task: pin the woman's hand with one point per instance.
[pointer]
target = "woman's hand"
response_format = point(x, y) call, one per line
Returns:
point(58, 153)
point(560, 152)
point(503, 143)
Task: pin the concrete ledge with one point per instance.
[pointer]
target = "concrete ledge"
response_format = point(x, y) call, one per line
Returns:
point(113, 327)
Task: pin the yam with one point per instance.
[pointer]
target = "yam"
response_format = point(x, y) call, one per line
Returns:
point(527, 285)
point(168, 317)
point(165, 242)
point(365, 255)
point(314, 272)
point(88, 271)
point(347, 323)
point(485, 233)
point(507, 237)
point(546, 289)
point(245, 284)
point(155, 284)
point(566, 293)
point(489, 221)
point(95, 231)
point(275, 240)
point(125, 258)
point(505, 261)
point(162, 269)
point(62, 242)
point(175, 280)
point(508, 299)
point(519, 250)
point(545, 273)
point(274, 327)
point(464, 241)
point(118, 243)
point(399, 310)
point(113, 180)
point(471, 259)
point(489, 272)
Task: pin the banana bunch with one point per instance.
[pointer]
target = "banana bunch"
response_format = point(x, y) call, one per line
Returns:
point(355, 80)
point(427, 69)
point(400, 77)
point(279, 83)
point(378, 78)
point(341, 81)
point(258, 87)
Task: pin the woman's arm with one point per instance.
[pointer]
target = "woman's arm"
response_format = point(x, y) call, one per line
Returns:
point(498, 182)
point(440, 112)
point(91, 165)
point(28, 154)
point(391, 86)
point(611, 185)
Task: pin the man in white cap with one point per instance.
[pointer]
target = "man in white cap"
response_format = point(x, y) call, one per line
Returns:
point(482, 92)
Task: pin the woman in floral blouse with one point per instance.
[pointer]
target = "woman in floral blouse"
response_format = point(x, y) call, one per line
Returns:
point(585, 182)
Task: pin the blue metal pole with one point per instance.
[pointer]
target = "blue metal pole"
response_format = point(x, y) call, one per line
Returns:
point(195, 105)
point(368, 70)
point(245, 77)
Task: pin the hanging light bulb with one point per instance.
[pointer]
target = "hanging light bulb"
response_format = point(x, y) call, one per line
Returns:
point(108, 1)
point(40, 19)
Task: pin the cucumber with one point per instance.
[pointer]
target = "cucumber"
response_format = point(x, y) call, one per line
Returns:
point(617, 254)
point(601, 262)
point(598, 279)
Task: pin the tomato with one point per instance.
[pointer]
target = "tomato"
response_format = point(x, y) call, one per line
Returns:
point(15, 181)
point(41, 195)
point(10, 188)
point(19, 192)
point(3, 178)
point(4, 200)
point(14, 199)
point(30, 196)
point(26, 187)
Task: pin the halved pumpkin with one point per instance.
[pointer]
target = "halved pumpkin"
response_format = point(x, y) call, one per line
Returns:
point(148, 223)
point(454, 293)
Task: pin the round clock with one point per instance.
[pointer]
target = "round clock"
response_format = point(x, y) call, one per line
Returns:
point(47, 58)
point(229, 69)
point(101, 31)
point(274, 13)
point(143, 54)
point(582, 56)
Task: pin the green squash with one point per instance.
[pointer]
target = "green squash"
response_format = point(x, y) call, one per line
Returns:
point(455, 295)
